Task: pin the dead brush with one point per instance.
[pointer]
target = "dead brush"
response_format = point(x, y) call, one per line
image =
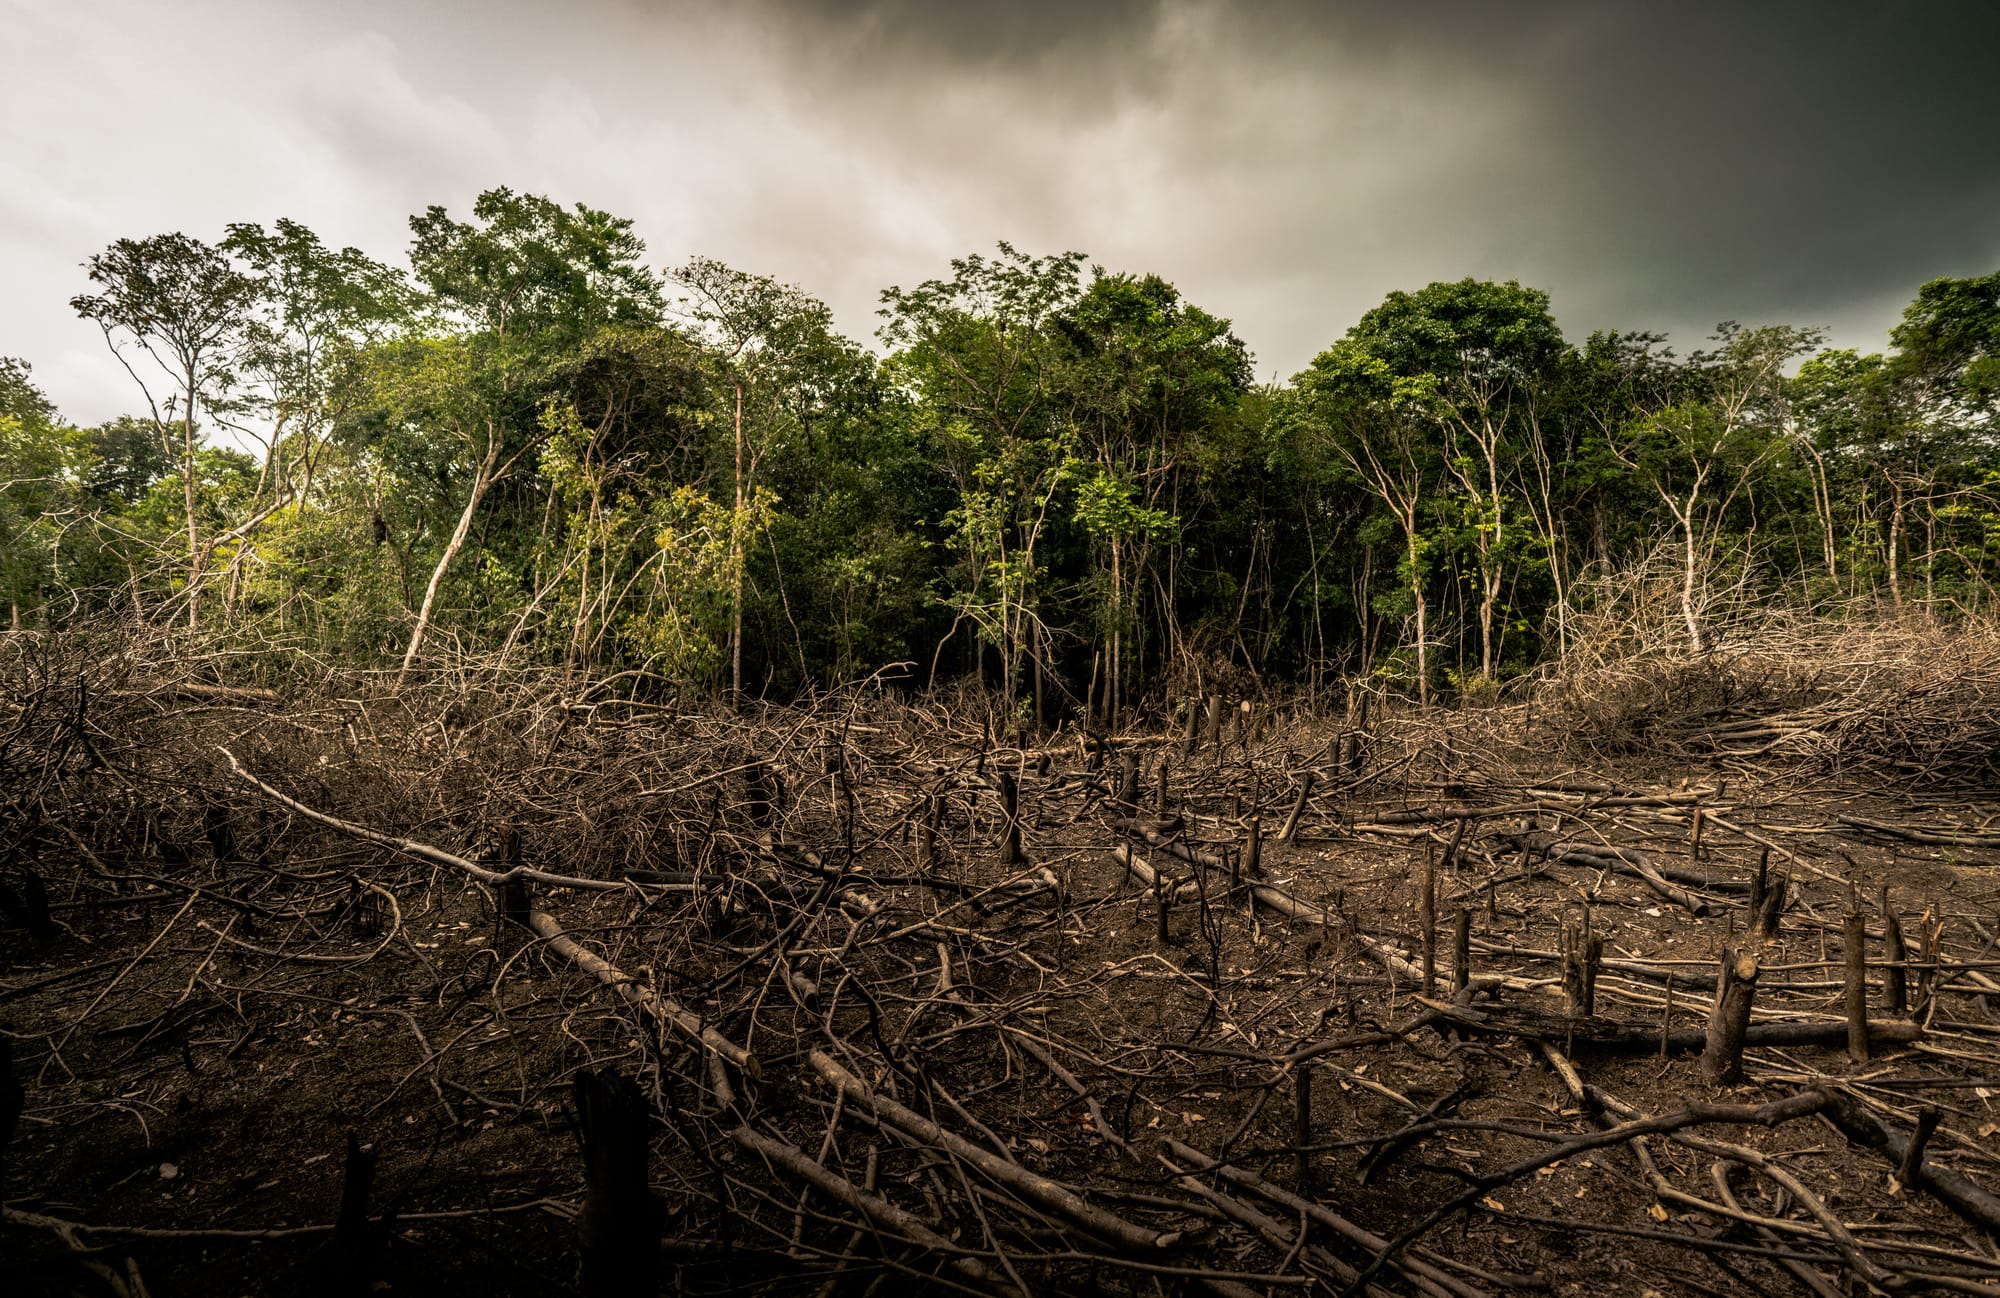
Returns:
point(1909, 693)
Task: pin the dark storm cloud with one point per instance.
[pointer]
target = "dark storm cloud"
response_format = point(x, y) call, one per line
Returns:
point(1651, 165)
point(1665, 165)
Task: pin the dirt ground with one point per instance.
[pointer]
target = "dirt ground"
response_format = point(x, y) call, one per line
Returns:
point(229, 990)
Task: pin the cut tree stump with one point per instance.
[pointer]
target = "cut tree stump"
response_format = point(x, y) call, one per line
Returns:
point(618, 1231)
point(1729, 1018)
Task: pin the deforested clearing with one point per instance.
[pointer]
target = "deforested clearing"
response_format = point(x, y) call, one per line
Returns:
point(1435, 988)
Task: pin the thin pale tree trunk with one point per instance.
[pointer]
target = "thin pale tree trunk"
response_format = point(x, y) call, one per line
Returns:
point(195, 555)
point(1489, 596)
point(736, 564)
point(481, 483)
point(1423, 622)
point(1117, 638)
point(1687, 581)
point(1895, 547)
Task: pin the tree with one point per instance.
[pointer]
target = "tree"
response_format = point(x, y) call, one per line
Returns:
point(1378, 422)
point(1854, 416)
point(627, 421)
point(38, 463)
point(1700, 449)
point(978, 354)
point(1477, 357)
point(1146, 382)
point(776, 347)
point(526, 281)
point(182, 306)
point(1949, 338)
point(20, 399)
point(299, 362)
point(320, 309)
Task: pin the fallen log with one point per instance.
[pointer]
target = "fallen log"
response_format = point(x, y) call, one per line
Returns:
point(1606, 1036)
point(1929, 838)
point(1277, 1234)
point(1633, 864)
point(663, 1008)
point(1629, 861)
point(1950, 1188)
point(423, 851)
point(1064, 1202)
point(881, 1214)
point(1414, 1265)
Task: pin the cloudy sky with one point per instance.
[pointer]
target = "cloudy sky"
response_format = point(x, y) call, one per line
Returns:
point(1651, 165)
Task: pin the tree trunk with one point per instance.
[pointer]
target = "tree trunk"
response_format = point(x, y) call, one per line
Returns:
point(481, 483)
point(1041, 646)
point(1490, 556)
point(1930, 554)
point(1113, 692)
point(1729, 1018)
point(736, 564)
point(1557, 558)
point(1895, 546)
point(1687, 580)
point(187, 486)
point(1423, 622)
point(1489, 596)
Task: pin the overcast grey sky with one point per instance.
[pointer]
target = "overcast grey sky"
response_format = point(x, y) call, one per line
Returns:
point(1650, 165)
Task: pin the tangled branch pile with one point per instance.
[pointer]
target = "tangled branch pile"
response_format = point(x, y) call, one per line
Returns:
point(851, 994)
point(1904, 697)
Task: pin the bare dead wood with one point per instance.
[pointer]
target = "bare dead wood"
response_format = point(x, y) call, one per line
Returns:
point(662, 1007)
point(1277, 1234)
point(1895, 978)
point(1910, 834)
point(422, 851)
point(1427, 922)
point(618, 1230)
point(1291, 829)
point(1010, 822)
point(355, 1240)
point(242, 696)
point(1729, 1018)
point(1636, 864)
point(1302, 1125)
point(13, 1099)
point(1099, 1123)
point(1128, 783)
point(1106, 1225)
point(1909, 1168)
point(879, 1212)
point(1603, 1036)
point(1775, 1113)
point(1950, 1188)
point(1416, 1265)
point(1854, 948)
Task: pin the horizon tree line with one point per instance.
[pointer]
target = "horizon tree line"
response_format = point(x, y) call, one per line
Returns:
point(535, 445)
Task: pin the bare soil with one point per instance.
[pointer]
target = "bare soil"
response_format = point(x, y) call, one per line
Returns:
point(231, 989)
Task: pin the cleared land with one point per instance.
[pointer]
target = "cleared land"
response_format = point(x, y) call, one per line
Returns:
point(1424, 1008)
